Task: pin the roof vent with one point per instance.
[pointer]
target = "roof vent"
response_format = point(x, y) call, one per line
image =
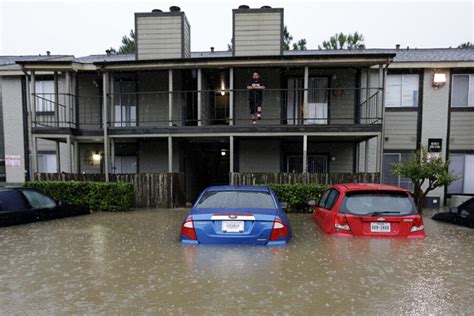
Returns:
point(244, 6)
point(408, 47)
point(212, 49)
point(48, 53)
point(266, 7)
point(156, 10)
point(397, 46)
point(175, 8)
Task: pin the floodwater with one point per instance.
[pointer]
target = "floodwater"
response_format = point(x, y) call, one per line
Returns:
point(122, 263)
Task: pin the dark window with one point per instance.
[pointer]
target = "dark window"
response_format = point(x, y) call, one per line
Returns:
point(12, 200)
point(330, 199)
point(316, 164)
point(388, 178)
point(236, 199)
point(365, 203)
point(39, 200)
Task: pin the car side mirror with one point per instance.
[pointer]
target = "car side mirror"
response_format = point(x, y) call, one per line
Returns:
point(454, 210)
point(312, 203)
point(284, 205)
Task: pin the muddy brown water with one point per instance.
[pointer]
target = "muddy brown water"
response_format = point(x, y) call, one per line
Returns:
point(122, 263)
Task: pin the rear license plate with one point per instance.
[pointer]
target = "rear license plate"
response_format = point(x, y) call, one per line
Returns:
point(380, 227)
point(232, 226)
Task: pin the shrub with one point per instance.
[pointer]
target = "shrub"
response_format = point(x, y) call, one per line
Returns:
point(99, 196)
point(297, 195)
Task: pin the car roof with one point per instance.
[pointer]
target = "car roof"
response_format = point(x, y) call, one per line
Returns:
point(348, 187)
point(255, 188)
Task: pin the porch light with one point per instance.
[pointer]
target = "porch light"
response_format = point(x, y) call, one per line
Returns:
point(96, 157)
point(223, 153)
point(333, 158)
point(439, 79)
point(222, 93)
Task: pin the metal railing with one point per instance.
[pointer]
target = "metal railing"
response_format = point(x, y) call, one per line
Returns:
point(317, 106)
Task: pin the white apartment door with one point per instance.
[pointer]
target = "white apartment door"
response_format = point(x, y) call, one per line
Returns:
point(469, 174)
point(316, 111)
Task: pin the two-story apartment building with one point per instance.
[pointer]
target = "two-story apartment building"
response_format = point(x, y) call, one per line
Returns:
point(168, 109)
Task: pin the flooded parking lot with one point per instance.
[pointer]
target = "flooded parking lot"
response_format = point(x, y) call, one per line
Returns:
point(133, 263)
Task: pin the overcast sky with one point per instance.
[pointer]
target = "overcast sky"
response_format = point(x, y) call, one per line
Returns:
point(89, 27)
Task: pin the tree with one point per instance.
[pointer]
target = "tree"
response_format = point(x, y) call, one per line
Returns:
point(344, 41)
point(300, 45)
point(287, 38)
point(426, 174)
point(466, 45)
point(127, 47)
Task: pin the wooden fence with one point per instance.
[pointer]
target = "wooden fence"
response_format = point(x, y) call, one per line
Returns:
point(151, 189)
point(308, 178)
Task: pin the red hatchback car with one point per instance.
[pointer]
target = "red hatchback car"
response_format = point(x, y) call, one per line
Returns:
point(368, 210)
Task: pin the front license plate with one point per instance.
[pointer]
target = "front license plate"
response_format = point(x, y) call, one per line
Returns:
point(232, 226)
point(380, 227)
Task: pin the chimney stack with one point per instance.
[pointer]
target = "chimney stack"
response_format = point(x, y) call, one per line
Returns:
point(257, 31)
point(162, 35)
point(397, 46)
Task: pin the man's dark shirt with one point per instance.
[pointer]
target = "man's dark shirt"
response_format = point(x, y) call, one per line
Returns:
point(256, 95)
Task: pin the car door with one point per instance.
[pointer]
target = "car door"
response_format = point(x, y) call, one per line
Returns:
point(327, 212)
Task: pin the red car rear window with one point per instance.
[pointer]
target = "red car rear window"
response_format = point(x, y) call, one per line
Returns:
point(378, 203)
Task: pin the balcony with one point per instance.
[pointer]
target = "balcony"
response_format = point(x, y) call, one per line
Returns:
point(321, 109)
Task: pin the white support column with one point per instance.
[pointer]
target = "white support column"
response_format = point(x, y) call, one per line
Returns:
point(68, 100)
point(170, 154)
point(112, 155)
point(366, 158)
point(105, 83)
point(58, 156)
point(231, 96)
point(170, 97)
point(112, 100)
point(305, 92)
point(33, 97)
point(199, 96)
point(76, 157)
point(231, 154)
point(305, 153)
point(70, 150)
point(34, 155)
point(56, 99)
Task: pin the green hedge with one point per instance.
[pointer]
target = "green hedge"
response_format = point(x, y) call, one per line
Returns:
point(99, 196)
point(297, 195)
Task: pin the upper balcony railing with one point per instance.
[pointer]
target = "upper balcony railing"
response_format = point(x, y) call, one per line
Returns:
point(316, 106)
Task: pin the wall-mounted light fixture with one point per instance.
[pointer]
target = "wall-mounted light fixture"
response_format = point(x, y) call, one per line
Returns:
point(333, 158)
point(439, 79)
point(223, 152)
point(96, 157)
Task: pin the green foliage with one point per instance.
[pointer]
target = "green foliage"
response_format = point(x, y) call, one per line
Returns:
point(127, 47)
point(466, 45)
point(344, 41)
point(297, 195)
point(287, 38)
point(426, 174)
point(300, 45)
point(99, 196)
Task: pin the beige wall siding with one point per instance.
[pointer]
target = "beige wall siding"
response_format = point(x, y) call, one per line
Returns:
point(254, 159)
point(461, 135)
point(257, 33)
point(400, 130)
point(159, 37)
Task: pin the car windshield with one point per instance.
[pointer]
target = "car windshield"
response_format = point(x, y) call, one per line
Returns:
point(378, 203)
point(236, 199)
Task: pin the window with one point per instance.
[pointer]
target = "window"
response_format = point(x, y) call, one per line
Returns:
point(388, 177)
point(236, 199)
point(331, 197)
point(45, 96)
point(125, 107)
point(402, 90)
point(47, 163)
point(462, 166)
point(125, 164)
point(365, 203)
point(12, 200)
point(316, 163)
point(38, 200)
point(462, 94)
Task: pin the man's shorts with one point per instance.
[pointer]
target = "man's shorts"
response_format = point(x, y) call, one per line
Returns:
point(253, 105)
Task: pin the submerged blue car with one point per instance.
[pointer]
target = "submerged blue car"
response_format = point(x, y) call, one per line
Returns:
point(248, 215)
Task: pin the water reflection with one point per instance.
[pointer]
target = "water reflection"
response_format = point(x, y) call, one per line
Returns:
point(134, 263)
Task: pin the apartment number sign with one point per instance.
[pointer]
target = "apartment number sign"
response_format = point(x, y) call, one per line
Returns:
point(12, 161)
point(435, 145)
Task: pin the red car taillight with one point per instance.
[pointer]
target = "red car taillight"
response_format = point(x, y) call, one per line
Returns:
point(340, 222)
point(417, 225)
point(279, 230)
point(187, 230)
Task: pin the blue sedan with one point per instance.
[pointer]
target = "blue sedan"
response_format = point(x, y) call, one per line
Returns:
point(248, 215)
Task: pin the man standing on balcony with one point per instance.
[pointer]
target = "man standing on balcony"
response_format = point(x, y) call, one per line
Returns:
point(255, 87)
